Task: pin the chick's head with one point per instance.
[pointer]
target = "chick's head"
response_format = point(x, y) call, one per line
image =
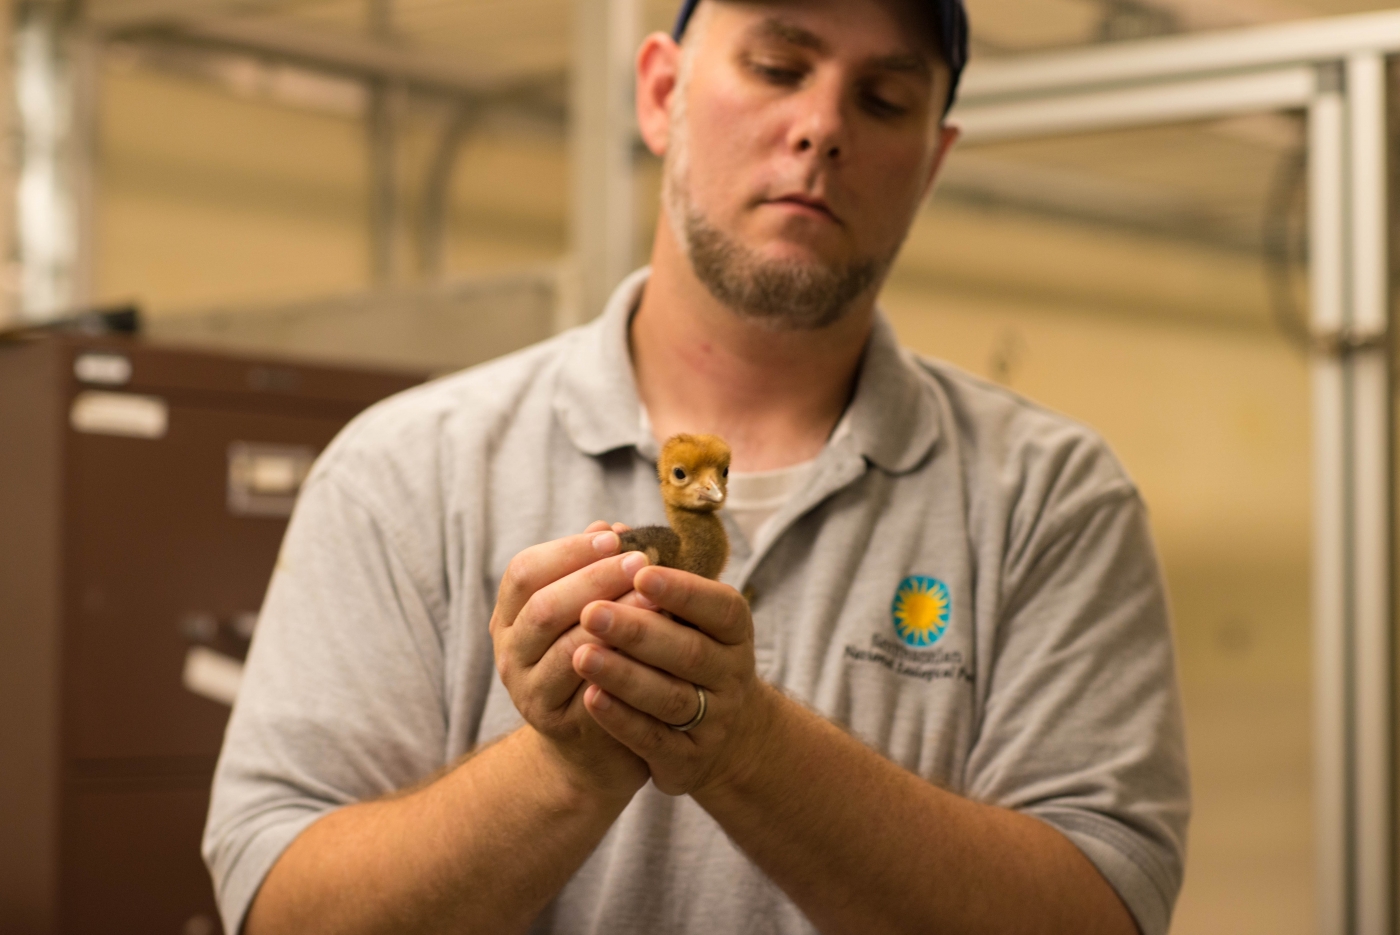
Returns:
point(694, 472)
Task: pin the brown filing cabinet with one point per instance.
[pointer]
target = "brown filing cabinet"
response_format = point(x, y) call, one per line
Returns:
point(143, 496)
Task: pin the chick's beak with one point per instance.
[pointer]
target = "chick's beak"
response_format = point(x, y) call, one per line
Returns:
point(711, 494)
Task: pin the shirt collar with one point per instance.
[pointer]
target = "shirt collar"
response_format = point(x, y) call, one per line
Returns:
point(596, 397)
point(893, 416)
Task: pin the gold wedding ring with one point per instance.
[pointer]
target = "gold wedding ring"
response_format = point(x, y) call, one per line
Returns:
point(699, 715)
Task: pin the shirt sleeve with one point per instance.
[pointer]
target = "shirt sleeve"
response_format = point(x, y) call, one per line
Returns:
point(342, 697)
point(1082, 723)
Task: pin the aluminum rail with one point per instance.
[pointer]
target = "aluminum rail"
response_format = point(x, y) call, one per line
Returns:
point(1331, 650)
point(1372, 684)
point(1122, 107)
point(1353, 512)
point(1170, 59)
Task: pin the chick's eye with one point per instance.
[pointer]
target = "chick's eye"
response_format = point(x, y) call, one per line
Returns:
point(725, 472)
point(678, 474)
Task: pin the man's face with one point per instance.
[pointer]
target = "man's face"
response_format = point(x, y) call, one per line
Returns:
point(803, 140)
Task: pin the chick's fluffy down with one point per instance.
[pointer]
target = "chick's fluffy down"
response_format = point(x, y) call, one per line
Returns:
point(660, 543)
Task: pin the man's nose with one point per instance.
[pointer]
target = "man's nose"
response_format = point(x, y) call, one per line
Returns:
point(821, 125)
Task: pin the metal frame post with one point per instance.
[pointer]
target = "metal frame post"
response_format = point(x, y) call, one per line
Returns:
point(382, 138)
point(1370, 522)
point(1333, 737)
point(9, 168)
point(435, 206)
point(54, 84)
point(602, 127)
point(1353, 677)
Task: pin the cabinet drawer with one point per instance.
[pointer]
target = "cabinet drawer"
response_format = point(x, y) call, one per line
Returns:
point(155, 543)
point(131, 863)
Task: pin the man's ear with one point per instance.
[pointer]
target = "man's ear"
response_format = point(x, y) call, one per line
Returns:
point(658, 69)
point(948, 135)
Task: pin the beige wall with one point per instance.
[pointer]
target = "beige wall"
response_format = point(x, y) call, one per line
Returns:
point(209, 199)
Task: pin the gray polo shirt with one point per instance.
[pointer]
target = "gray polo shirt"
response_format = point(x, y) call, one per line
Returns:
point(967, 583)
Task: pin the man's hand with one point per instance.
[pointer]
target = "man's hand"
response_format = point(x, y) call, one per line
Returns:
point(535, 631)
point(644, 669)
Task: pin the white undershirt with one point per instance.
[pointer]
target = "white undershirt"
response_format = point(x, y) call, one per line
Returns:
point(755, 497)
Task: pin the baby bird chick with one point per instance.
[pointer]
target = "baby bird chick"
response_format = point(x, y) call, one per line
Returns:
point(694, 474)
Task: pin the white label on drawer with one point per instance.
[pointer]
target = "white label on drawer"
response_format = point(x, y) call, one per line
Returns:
point(274, 474)
point(264, 479)
point(120, 414)
point(212, 675)
point(106, 369)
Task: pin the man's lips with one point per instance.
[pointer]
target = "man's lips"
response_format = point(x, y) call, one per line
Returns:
point(807, 203)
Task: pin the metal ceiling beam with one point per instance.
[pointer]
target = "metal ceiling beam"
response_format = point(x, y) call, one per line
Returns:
point(416, 67)
point(601, 140)
point(111, 15)
point(1123, 107)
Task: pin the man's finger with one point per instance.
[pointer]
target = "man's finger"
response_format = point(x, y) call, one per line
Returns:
point(543, 564)
point(668, 699)
point(553, 680)
point(633, 599)
point(656, 641)
point(641, 733)
point(556, 607)
point(717, 609)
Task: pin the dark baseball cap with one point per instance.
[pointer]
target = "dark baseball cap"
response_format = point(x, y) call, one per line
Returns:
point(949, 19)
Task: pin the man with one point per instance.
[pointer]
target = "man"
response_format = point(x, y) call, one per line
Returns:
point(934, 690)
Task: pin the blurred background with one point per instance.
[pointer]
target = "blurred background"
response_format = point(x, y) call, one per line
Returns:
point(415, 186)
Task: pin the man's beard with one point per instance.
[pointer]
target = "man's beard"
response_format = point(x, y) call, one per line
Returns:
point(783, 295)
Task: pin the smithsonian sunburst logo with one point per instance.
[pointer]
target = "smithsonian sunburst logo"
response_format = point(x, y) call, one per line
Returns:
point(921, 610)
